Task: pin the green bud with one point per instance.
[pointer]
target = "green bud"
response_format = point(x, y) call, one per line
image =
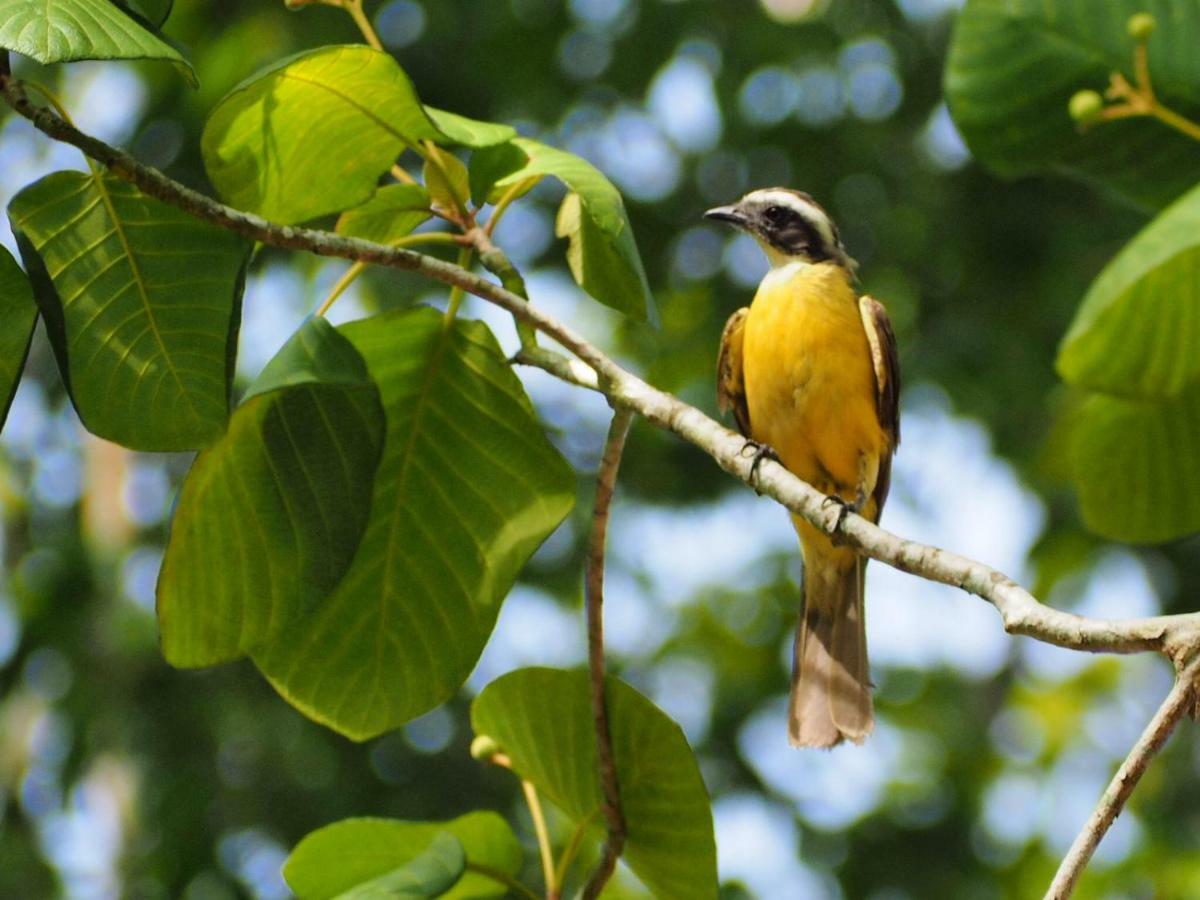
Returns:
point(483, 748)
point(1140, 26)
point(1086, 107)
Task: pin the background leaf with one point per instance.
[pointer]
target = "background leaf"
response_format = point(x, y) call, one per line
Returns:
point(142, 304)
point(156, 12)
point(53, 31)
point(1138, 329)
point(333, 859)
point(466, 132)
point(312, 134)
point(542, 719)
point(429, 874)
point(394, 211)
point(1014, 64)
point(467, 488)
point(1136, 465)
point(270, 516)
point(603, 255)
point(18, 315)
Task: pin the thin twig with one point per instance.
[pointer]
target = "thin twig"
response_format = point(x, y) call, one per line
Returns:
point(606, 481)
point(1175, 636)
point(1180, 701)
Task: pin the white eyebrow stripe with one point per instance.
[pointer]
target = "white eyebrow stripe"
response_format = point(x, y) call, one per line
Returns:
point(813, 213)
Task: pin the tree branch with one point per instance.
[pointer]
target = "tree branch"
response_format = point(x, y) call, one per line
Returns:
point(1176, 636)
point(1181, 700)
point(606, 480)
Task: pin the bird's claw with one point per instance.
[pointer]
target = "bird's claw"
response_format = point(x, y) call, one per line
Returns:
point(845, 507)
point(758, 452)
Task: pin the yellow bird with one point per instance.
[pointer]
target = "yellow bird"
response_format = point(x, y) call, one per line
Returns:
point(810, 372)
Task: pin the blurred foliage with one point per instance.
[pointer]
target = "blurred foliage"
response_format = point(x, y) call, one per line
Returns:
point(215, 777)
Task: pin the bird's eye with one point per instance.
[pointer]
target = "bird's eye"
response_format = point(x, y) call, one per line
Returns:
point(775, 214)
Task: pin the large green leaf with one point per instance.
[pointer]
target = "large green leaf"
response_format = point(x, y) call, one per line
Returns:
point(429, 874)
point(603, 254)
point(1136, 465)
point(394, 211)
point(335, 858)
point(270, 516)
point(18, 315)
point(1138, 330)
point(542, 719)
point(467, 488)
point(142, 304)
point(312, 134)
point(1014, 64)
point(53, 31)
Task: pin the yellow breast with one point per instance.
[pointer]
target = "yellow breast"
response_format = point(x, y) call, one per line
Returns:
point(810, 385)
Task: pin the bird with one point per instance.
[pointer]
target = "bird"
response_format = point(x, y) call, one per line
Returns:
point(811, 374)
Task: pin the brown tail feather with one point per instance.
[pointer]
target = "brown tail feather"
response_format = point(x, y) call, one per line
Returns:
point(831, 689)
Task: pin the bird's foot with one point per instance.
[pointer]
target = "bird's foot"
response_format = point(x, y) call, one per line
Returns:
point(844, 508)
point(758, 452)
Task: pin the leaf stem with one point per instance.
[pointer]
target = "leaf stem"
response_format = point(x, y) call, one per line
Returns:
point(572, 849)
point(505, 201)
point(497, 262)
point(456, 292)
point(606, 480)
point(355, 8)
point(543, 838)
point(348, 278)
point(502, 878)
point(401, 175)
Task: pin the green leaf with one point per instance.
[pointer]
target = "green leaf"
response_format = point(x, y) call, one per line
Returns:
point(447, 180)
point(333, 859)
point(18, 315)
point(1014, 65)
point(466, 132)
point(1138, 329)
point(141, 303)
point(312, 134)
point(467, 489)
point(1136, 465)
point(430, 874)
point(542, 718)
point(53, 31)
point(395, 211)
point(270, 516)
point(603, 255)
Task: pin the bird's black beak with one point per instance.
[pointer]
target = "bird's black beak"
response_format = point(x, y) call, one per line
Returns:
point(731, 214)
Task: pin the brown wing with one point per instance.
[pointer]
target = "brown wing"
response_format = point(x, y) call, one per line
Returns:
point(731, 389)
point(886, 362)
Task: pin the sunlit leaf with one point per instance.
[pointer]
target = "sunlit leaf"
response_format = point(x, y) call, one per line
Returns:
point(53, 31)
point(1014, 65)
point(18, 314)
point(1136, 465)
point(312, 134)
point(1138, 330)
point(333, 859)
point(602, 253)
point(270, 516)
point(542, 719)
point(394, 211)
point(469, 132)
point(467, 488)
point(141, 303)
